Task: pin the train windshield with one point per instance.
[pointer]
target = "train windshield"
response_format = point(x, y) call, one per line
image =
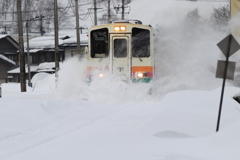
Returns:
point(99, 43)
point(140, 42)
point(120, 48)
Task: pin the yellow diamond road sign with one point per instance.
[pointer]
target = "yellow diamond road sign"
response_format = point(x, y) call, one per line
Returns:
point(224, 45)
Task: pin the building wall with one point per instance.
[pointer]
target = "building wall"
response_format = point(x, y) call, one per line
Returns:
point(8, 49)
point(6, 46)
point(235, 7)
point(72, 51)
point(3, 70)
point(235, 15)
point(68, 54)
point(3, 73)
point(2, 81)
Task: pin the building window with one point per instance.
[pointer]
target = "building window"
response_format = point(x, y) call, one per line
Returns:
point(34, 58)
point(49, 57)
point(13, 57)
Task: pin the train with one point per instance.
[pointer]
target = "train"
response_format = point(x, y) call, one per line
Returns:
point(124, 49)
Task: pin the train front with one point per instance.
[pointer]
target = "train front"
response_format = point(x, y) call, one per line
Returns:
point(123, 50)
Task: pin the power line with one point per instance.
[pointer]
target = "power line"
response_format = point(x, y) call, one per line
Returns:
point(46, 9)
point(85, 16)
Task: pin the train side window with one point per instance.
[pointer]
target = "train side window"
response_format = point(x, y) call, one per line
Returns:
point(140, 42)
point(99, 43)
point(120, 48)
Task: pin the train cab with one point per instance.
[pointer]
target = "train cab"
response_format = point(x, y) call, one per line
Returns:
point(124, 49)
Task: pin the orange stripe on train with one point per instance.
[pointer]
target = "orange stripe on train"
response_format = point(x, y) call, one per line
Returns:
point(142, 69)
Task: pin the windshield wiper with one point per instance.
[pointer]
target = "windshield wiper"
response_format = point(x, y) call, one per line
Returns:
point(139, 58)
point(100, 59)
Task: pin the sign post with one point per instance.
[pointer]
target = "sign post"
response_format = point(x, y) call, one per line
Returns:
point(228, 46)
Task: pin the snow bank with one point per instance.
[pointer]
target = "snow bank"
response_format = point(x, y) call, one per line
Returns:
point(43, 82)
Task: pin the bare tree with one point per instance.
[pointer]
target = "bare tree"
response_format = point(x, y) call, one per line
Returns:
point(221, 15)
point(45, 8)
point(5, 5)
point(30, 10)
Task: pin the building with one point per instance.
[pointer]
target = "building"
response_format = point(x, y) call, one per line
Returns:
point(5, 65)
point(9, 48)
point(69, 45)
point(42, 51)
point(235, 15)
point(234, 7)
point(8, 57)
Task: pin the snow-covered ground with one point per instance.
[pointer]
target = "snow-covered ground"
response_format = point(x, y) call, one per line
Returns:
point(180, 126)
point(109, 120)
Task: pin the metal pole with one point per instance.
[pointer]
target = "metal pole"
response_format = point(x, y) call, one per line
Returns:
point(29, 72)
point(57, 58)
point(13, 10)
point(95, 12)
point(223, 85)
point(25, 10)
point(77, 27)
point(81, 28)
point(122, 9)
point(109, 12)
point(21, 51)
point(41, 25)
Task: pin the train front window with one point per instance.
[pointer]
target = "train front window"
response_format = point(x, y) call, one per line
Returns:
point(99, 43)
point(120, 48)
point(140, 42)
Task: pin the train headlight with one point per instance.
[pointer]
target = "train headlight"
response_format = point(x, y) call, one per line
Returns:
point(123, 28)
point(116, 28)
point(140, 75)
point(100, 75)
point(119, 28)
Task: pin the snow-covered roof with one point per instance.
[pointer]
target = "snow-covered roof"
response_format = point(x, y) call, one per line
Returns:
point(46, 66)
point(73, 39)
point(48, 41)
point(17, 70)
point(42, 42)
point(3, 35)
point(32, 50)
point(7, 59)
point(43, 67)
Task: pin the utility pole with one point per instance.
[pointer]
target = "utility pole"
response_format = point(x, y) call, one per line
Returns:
point(29, 71)
point(57, 57)
point(81, 28)
point(21, 48)
point(41, 25)
point(122, 9)
point(109, 12)
point(77, 27)
point(95, 12)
